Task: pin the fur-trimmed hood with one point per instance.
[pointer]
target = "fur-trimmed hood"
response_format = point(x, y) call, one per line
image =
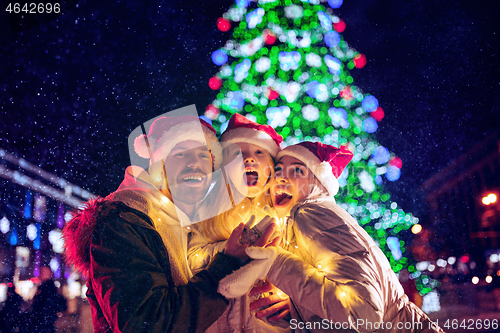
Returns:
point(136, 192)
point(77, 234)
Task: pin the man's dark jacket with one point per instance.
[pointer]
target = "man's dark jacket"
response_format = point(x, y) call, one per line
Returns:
point(130, 285)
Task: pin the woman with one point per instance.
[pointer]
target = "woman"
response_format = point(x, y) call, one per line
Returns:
point(337, 277)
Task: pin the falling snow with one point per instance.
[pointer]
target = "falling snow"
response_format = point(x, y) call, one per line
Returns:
point(72, 90)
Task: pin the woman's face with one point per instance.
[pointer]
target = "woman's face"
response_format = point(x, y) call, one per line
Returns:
point(290, 185)
point(252, 177)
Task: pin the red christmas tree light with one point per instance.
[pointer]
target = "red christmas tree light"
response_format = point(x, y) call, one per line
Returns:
point(223, 24)
point(215, 83)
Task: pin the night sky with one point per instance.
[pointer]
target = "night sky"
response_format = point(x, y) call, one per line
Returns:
point(72, 89)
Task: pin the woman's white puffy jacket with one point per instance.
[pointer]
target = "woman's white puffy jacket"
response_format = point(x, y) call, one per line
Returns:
point(339, 278)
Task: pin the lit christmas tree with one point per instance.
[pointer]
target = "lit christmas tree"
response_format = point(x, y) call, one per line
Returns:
point(288, 66)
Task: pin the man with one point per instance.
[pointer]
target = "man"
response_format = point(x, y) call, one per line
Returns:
point(132, 244)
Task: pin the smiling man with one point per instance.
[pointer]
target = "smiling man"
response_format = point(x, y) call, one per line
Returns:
point(131, 245)
point(188, 168)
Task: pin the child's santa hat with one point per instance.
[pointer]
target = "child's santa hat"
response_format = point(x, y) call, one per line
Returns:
point(166, 132)
point(326, 162)
point(241, 129)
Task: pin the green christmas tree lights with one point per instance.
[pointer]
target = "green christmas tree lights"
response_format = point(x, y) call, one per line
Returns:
point(288, 66)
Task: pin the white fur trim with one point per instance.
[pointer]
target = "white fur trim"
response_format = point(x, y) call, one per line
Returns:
point(324, 173)
point(322, 170)
point(251, 135)
point(241, 281)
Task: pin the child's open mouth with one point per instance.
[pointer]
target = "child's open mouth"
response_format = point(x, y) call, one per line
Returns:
point(283, 197)
point(251, 176)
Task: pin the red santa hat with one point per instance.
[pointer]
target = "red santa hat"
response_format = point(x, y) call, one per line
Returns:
point(166, 132)
point(241, 129)
point(326, 162)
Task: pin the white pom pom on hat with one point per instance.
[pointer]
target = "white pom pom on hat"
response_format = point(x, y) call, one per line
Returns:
point(141, 146)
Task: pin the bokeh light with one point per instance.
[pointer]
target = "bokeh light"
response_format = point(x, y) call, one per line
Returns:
point(219, 57)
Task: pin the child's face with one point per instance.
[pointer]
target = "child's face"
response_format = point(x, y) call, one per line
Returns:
point(255, 172)
point(290, 185)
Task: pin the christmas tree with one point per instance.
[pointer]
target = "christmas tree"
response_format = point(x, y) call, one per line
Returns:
point(288, 66)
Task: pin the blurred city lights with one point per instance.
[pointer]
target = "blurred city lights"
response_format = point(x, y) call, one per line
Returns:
point(4, 225)
point(452, 260)
point(488, 279)
point(441, 263)
point(430, 302)
point(489, 199)
point(422, 266)
point(416, 228)
point(31, 231)
point(475, 280)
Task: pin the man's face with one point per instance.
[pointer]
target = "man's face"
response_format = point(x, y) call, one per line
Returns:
point(189, 172)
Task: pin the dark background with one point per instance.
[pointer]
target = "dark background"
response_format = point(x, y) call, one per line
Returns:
point(73, 88)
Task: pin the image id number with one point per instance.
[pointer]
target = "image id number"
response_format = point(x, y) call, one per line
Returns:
point(471, 324)
point(33, 8)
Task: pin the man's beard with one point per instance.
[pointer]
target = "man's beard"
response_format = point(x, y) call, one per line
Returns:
point(188, 195)
point(182, 192)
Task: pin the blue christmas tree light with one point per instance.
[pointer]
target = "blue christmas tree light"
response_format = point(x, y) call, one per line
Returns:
point(369, 103)
point(219, 57)
point(381, 155)
point(335, 3)
point(370, 125)
point(332, 38)
point(393, 173)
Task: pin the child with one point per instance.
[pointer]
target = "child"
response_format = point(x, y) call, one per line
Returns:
point(255, 146)
point(336, 271)
point(258, 145)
